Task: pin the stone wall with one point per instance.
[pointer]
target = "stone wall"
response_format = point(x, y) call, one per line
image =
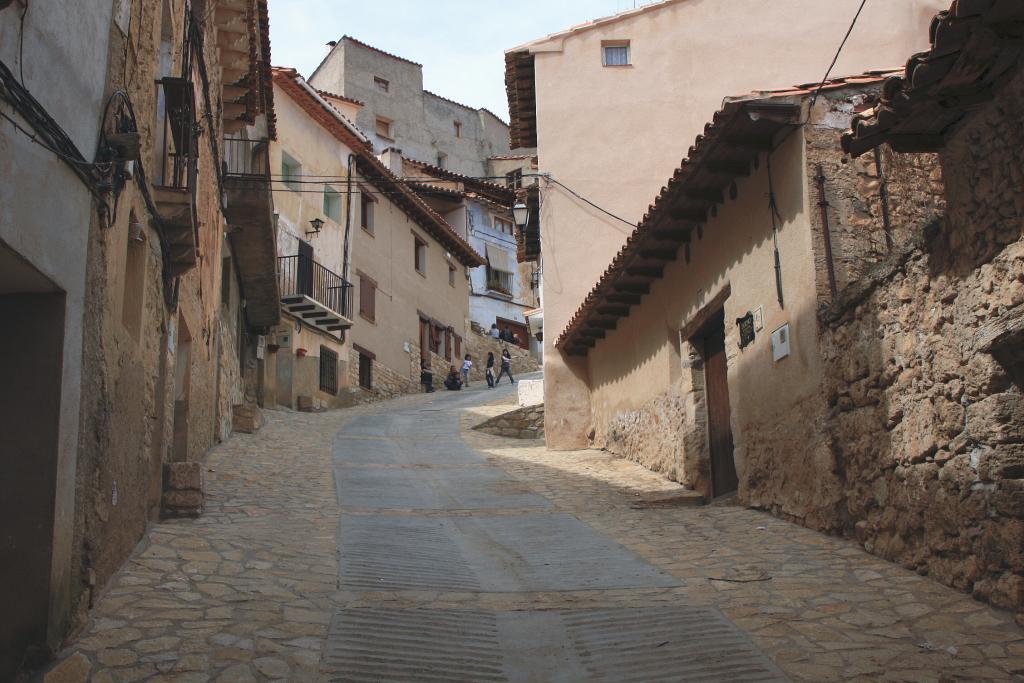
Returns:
point(521, 423)
point(478, 346)
point(926, 422)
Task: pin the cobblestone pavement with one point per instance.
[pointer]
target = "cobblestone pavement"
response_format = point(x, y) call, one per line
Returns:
point(251, 591)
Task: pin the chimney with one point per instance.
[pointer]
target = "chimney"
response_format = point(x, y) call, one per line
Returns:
point(392, 158)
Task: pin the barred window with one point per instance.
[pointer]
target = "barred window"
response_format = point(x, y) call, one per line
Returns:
point(328, 370)
point(615, 53)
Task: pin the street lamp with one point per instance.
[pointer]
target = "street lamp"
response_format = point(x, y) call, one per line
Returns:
point(317, 224)
point(521, 214)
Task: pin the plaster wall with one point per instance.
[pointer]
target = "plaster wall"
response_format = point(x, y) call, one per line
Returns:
point(45, 212)
point(386, 256)
point(643, 363)
point(681, 70)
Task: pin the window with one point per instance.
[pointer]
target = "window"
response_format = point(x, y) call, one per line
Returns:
point(366, 202)
point(451, 275)
point(419, 255)
point(503, 225)
point(499, 281)
point(435, 340)
point(367, 298)
point(291, 171)
point(365, 371)
point(381, 83)
point(328, 370)
point(442, 160)
point(514, 179)
point(332, 204)
point(384, 127)
point(458, 129)
point(615, 53)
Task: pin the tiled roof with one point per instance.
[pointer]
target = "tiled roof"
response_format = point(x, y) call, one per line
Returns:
point(336, 96)
point(378, 50)
point(512, 157)
point(376, 172)
point(744, 127)
point(500, 193)
point(265, 69)
point(975, 48)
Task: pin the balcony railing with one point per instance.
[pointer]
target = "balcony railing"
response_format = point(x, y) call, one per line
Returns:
point(302, 276)
point(247, 158)
point(178, 154)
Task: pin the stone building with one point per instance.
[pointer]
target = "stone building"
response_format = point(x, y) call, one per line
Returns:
point(399, 113)
point(409, 267)
point(178, 264)
point(569, 90)
point(46, 203)
point(839, 339)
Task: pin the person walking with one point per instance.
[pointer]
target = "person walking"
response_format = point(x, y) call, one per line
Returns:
point(506, 367)
point(467, 364)
point(489, 372)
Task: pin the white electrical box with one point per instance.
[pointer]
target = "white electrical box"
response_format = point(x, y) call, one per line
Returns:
point(780, 343)
point(759, 318)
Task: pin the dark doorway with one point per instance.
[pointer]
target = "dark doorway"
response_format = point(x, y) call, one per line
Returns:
point(716, 386)
point(182, 390)
point(425, 342)
point(305, 268)
point(31, 363)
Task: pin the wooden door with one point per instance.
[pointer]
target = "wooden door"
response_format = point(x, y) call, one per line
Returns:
point(305, 268)
point(723, 469)
point(425, 341)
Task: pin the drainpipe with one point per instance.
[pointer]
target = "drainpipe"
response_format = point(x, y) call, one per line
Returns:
point(348, 232)
point(826, 231)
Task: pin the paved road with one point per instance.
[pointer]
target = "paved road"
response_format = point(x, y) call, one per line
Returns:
point(483, 558)
point(425, 517)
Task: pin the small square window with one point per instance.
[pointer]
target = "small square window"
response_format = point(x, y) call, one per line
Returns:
point(382, 84)
point(458, 129)
point(615, 53)
point(442, 160)
point(503, 225)
point(366, 202)
point(332, 204)
point(383, 128)
point(291, 171)
point(514, 179)
point(420, 255)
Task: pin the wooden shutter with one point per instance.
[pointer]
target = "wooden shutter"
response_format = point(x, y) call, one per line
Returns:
point(367, 298)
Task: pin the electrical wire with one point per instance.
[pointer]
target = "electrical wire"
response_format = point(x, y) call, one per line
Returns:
point(587, 201)
point(838, 52)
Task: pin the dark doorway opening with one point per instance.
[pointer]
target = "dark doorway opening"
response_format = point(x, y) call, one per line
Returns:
point(31, 364)
point(711, 342)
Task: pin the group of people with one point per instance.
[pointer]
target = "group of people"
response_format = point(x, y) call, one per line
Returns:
point(505, 335)
point(459, 377)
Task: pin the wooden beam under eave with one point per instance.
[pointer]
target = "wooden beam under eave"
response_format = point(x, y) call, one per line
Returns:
point(601, 324)
point(689, 215)
point(659, 254)
point(705, 195)
point(750, 143)
point(234, 125)
point(623, 298)
point(610, 309)
point(648, 272)
point(593, 332)
point(233, 110)
point(730, 168)
point(632, 287)
point(671, 234)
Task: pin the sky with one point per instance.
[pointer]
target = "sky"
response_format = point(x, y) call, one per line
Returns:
point(460, 43)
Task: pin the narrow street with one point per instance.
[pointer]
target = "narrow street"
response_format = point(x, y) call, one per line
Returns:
point(469, 557)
